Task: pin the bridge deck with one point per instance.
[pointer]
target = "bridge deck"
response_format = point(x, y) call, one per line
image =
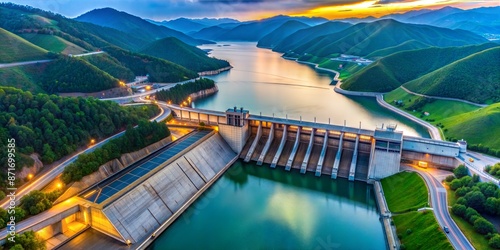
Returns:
point(329, 160)
point(301, 153)
point(313, 160)
point(274, 148)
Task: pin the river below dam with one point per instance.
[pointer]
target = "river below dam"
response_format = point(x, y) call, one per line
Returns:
point(257, 207)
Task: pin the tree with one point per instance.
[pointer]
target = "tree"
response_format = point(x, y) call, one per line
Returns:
point(27, 241)
point(456, 184)
point(461, 171)
point(492, 206)
point(459, 210)
point(35, 202)
point(460, 192)
point(469, 212)
point(483, 226)
point(475, 200)
point(495, 241)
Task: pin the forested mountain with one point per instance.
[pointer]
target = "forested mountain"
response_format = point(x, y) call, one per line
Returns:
point(72, 74)
point(183, 25)
point(365, 38)
point(475, 78)
point(159, 70)
point(389, 72)
point(54, 126)
point(305, 35)
point(134, 25)
point(210, 33)
point(174, 50)
point(111, 66)
point(432, 16)
point(276, 36)
point(15, 49)
point(255, 30)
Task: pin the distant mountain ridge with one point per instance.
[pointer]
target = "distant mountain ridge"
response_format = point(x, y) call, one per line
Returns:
point(125, 22)
point(276, 36)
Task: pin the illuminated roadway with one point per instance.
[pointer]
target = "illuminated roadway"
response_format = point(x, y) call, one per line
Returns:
point(41, 181)
point(440, 204)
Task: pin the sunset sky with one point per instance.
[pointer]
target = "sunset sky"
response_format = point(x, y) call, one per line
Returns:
point(250, 9)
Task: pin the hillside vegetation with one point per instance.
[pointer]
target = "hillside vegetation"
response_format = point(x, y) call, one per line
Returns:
point(15, 49)
point(111, 66)
point(475, 78)
point(276, 36)
point(53, 43)
point(390, 72)
point(24, 77)
point(180, 92)
point(365, 38)
point(72, 74)
point(159, 70)
point(193, 58)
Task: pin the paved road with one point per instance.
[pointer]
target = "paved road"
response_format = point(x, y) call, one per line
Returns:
point(444, 98)
point(440, 204)
point(41, 181)
point(479, 164)
point(88, 54)
point(15, 64)
point(434, 132)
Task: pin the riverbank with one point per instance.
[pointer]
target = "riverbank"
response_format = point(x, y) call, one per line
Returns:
point(214, 72)
point(204, 93)
point(390, 230)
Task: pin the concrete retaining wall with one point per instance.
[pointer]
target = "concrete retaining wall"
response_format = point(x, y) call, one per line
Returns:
point(144, 208)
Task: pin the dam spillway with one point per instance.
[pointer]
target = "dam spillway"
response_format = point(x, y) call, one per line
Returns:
point(310, 144)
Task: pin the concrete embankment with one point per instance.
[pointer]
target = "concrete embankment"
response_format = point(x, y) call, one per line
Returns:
point(385, 214)
point(204, 93)
point(149, 208)
point(214, 72)
point(111, 167)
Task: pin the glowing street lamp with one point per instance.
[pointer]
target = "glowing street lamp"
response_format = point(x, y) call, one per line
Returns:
point(92, 141)
point(59, 185)
point(30, 176)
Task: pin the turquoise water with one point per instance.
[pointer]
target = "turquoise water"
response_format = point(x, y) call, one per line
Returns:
point(263, 82)
point(256, 207)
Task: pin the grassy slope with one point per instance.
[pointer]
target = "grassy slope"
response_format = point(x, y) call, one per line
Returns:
point(111, 66)
point(404, 192)
point(426, 233)
point(408, 45)
point(475, 78)
point(399, 68)
point(22, 77)
point(15, 49)
point(53, 43)
point(476, 239)
point(461, 121)
point(479, 126)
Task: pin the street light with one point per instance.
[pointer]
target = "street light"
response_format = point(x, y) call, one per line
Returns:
point(92, 141)
point(59, 185)
point(30, 176)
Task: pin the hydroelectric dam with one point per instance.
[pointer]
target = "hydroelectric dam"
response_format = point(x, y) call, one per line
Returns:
point(141, 200)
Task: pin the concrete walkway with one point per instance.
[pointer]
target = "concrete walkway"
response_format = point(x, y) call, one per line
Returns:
point(443, 98)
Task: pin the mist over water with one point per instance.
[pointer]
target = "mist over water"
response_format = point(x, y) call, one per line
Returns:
point(262, 81)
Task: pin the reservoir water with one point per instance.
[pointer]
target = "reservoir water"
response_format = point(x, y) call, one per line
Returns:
point(256, 207)
point(262, 81)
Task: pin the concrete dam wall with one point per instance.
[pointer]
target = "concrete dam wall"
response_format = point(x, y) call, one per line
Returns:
point(147, 206)
point(308, 150)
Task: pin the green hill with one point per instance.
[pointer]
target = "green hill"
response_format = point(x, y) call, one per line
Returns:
point(53, 43)
point(389, 73)
point(71, 74)
point(408, 45)
point(174, 50)
point(365, 38)
point(475, 78)
point(305, 35)
point(159, 70)
point(477, 127)
point(276, 36)
point(111, 66)
point(15, 49)
point(24, 77)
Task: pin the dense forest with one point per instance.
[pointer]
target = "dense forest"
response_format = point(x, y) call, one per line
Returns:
point(180, 92)
point(53, 126)
point(111, 66)
point(474, 199)
point(134, 139)
point(193, 58)
point(72, 74)
point(159, 70)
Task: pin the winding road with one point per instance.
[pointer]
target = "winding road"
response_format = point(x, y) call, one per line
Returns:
point(41, 181)
point(440, 204)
